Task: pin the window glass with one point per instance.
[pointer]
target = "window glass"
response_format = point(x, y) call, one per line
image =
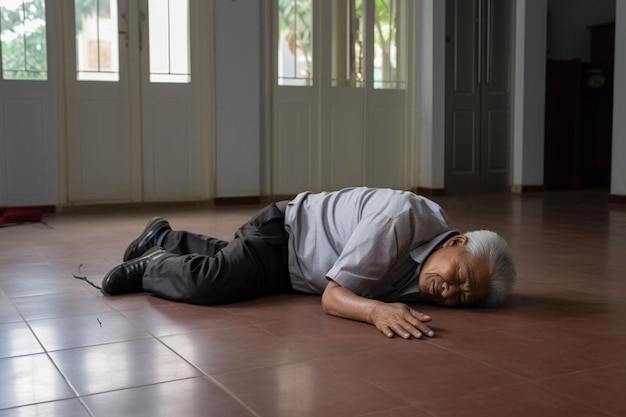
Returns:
point(295, 42)
point(23, 39)
point(388, 52)
point(97, 46)
point(347, 43)
point(169, 41)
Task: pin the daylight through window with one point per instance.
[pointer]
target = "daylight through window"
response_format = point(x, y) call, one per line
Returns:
point(23, 39)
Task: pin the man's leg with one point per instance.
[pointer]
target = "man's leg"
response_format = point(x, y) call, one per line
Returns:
point(251, 265)
point(159, 233)
point(182, 243)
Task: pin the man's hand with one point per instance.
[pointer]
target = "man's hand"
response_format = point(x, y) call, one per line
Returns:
point(400, 319)
point(391, 319)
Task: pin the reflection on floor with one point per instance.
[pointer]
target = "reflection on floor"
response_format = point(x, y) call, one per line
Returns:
point(559, 349)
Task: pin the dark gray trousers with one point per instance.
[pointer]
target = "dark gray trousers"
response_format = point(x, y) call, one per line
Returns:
point(212, 271)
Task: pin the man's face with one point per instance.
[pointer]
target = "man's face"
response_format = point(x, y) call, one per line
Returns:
point(452, 277)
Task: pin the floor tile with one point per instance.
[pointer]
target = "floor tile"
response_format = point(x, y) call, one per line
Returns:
point(17, 340)
point(134, 302)
point(116, 366)
point(8, 313)
point(541, 351)
point(196, 397)
point(399, 412)
point(177, 318)
point(306, 389)
point(41, 279)
point(300, 321)
point(71, 303)
point(232, 349)
point(520, 400)
point(30, 379)
point(602, 388)
point(417, 371)
point(65, 408)
point(87, 330)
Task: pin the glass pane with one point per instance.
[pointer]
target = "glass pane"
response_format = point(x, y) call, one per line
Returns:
point(169, 41)
point(295, 42)
point(97, 53)
point(388, 52)
point(347, 43)
point(23, 35)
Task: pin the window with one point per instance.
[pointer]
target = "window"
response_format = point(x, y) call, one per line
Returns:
point(169, 41)
point(388, 52)
point(347, 43)
point(351, 27)
point(97, 53)
point(295, 42)
point(23, 39)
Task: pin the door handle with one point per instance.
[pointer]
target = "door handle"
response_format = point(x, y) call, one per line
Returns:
point(123, 25)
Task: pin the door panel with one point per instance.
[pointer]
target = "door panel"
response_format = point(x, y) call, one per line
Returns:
point(498, 46)
point(134, 106)
point(99, 151)
point(461, 25)
point(175, 152)
point(28, 104)
point(386, 154)
point(462, 122)
point(463, 141)
point(24, 142)
point(104, 159)
point(495, 96)
point(346, 146)
point(294, 147)
point(461, 148)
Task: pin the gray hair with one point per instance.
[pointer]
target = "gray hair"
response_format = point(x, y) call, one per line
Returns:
point(493, 248)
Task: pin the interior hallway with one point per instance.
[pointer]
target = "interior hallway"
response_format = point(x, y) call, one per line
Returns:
point(559, 349)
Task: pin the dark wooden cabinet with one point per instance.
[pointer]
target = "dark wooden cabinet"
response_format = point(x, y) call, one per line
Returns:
point(579, 116)
point(562, 118)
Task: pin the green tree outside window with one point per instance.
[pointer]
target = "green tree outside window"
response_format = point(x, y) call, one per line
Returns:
point(23, 39)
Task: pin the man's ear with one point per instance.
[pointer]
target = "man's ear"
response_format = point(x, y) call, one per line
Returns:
point(458, 240)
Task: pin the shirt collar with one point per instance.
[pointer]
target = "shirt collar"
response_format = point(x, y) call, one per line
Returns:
point(422, 252)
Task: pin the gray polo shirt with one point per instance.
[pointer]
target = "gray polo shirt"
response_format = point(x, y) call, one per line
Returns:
point(367, 240)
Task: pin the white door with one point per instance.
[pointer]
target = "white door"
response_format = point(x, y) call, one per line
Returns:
point(28, 107)
point(339, 95)
point(134, 112)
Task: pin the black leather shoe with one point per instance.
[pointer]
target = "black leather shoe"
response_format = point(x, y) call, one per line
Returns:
point(149, 238)
point(126, 278)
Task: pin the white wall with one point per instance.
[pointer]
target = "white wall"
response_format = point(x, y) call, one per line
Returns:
point(238, 97)
point(618, 165)
point(529, 93)
point(569, 35)
point(431, 94)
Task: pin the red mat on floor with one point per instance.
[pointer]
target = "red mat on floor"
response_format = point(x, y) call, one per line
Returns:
point(11, 217)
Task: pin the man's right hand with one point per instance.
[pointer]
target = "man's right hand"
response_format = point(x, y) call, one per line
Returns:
point(400, 319)
point(389, 318)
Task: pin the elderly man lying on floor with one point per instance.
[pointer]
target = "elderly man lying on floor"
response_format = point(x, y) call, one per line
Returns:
point(366, 251)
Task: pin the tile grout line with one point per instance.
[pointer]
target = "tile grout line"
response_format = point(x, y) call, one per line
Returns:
point(47, 353)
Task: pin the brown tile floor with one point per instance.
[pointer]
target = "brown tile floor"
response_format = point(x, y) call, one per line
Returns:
point(559, 349)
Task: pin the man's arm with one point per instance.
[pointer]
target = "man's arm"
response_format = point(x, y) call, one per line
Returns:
point(389, 318)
